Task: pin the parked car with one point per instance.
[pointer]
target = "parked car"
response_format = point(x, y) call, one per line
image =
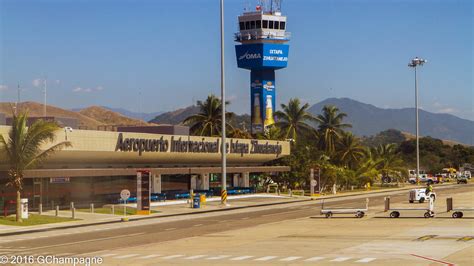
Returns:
point(424, 178)
point(462, 180)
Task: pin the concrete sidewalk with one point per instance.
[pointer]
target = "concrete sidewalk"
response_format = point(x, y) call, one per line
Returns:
point(182, 208)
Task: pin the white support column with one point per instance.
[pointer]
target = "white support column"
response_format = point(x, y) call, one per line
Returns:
point(156, 183)
point(235, 180)
point(246, 179)
point(204, 181)
point(193, 182)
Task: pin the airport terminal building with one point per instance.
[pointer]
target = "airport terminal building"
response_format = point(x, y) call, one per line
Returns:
point(99, 164)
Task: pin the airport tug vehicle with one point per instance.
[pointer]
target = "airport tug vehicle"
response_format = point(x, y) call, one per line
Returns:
point(359, 212)
point(420, 195)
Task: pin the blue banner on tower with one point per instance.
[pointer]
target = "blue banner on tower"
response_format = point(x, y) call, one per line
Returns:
point(262, 55)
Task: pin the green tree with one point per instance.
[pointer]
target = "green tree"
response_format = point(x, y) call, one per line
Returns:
point(389, 162)
point(330, 127)
point(208, 122)
point(24, 149)
point(349, 150)
point(293, 118)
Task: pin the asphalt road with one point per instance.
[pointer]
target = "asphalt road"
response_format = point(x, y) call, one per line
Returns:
point(90, 241)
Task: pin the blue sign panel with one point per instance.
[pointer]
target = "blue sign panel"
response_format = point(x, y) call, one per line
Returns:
point(262, 55)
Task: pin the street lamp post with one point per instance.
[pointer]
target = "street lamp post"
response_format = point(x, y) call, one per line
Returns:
point(223, 147)
point(414, 63)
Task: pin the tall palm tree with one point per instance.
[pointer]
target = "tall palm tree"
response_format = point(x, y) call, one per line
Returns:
point(330, 127)
point(208, 122)
point(293, 118)
point(24, 149)
point(350, 150)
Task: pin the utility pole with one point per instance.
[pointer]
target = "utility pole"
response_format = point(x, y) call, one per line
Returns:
point(414, 63)
point(44, 94)
point(223, 149)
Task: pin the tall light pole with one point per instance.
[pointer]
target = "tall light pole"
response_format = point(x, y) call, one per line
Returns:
point(223, 147)
point(414, 63)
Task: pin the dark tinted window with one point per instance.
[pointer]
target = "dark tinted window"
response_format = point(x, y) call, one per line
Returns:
point(242, 26)
point(247, 25)
point(252, 24)
point(277, 25)
point(265, 24)
point(270, 24)
point(282, 25)
point(259, 24)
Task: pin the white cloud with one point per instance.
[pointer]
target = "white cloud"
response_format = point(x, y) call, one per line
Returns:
point(37, 82)
point(3, 87)
point(88, 90)
point(448, 110)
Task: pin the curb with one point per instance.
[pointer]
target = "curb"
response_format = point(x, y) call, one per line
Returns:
point(208, 211)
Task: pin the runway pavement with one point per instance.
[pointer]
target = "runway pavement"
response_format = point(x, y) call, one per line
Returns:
point(270, 235)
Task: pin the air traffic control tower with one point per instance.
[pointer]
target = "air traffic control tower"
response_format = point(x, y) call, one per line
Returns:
point(262, 50)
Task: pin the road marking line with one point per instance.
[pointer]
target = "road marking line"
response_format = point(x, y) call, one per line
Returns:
point(266, 258)
point(314, 259)
point(86, 241)
point(290, 258)
point(169, 229)
point(242, 258)
point(427, 237)
point(339, 259)
point(223, 221)
point(195, 257)
point(439, 261)
point(108, 255)
point(466, 238)
point(198, 225)
point(365, 260)
point(218, 257)
point(172, 257)
point(245, 218)
point(149, 256)
point(126, 256)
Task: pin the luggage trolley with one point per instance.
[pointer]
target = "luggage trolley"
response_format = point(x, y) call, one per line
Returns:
point(395, 212)
point(457, 212)
point(359, 212)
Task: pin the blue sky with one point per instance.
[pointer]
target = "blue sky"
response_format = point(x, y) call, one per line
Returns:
point(164, 54)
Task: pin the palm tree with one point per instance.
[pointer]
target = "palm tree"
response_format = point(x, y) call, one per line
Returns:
point(350, 150)
point(293, 118)
point(390, 164)
point(23, 149)
point(208, 122)
point(330, 127)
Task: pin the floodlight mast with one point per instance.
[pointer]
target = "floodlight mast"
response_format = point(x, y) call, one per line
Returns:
point(414, 63)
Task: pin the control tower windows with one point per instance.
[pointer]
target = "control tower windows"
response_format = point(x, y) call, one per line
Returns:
point(277, 25)
point(258, 24)
point(247, 25)
point(282, 25)
point(252, 25)
point(270, 24)
point(265, 24)
point(242, 25)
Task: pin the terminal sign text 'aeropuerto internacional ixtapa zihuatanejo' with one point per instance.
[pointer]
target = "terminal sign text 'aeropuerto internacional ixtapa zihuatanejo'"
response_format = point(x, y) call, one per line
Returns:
point(185, 146)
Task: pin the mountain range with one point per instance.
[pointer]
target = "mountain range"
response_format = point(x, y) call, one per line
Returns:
point(367, 120)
